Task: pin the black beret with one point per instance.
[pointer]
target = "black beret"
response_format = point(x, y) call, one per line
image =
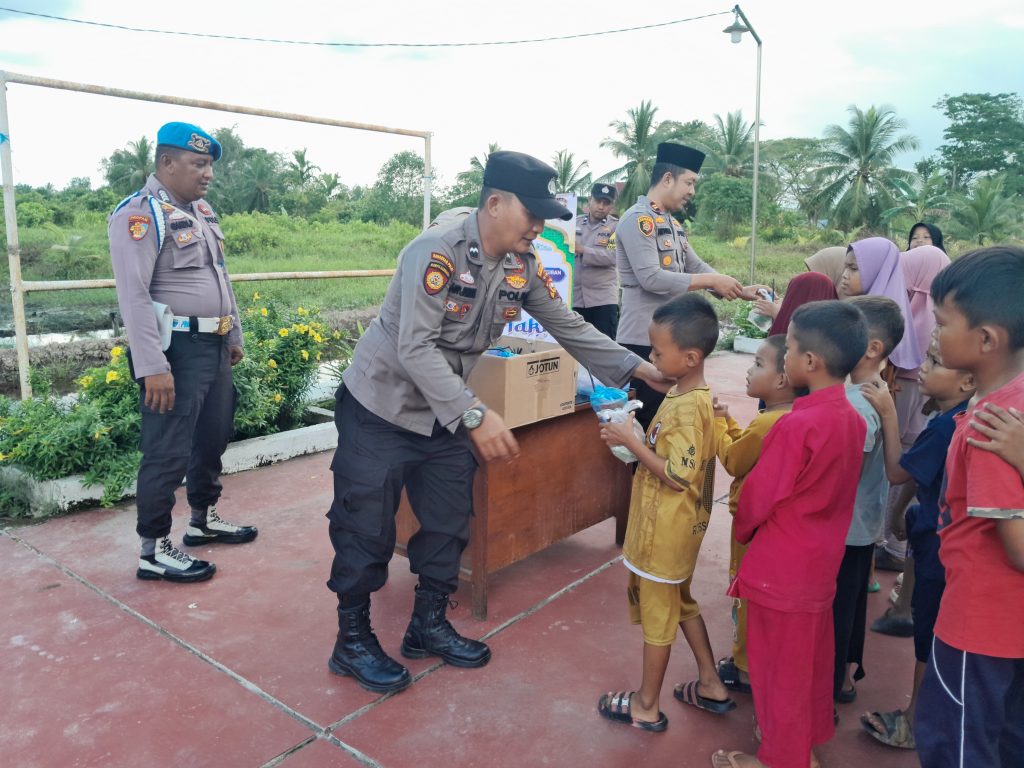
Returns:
point(607, 191)
point(529, 179)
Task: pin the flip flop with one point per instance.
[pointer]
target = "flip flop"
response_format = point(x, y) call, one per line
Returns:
point(687, 694)
point(874, 586)
point(898, 732)
point(722, 759)
point(617, 708)
point(847, 696)
point(730, 675)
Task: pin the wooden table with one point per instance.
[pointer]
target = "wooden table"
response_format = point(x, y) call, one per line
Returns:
point(564, 481)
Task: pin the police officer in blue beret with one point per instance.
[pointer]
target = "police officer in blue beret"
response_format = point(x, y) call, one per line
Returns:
point(184, 335)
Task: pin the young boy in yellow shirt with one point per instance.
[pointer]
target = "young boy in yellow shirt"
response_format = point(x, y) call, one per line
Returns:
point(669, 511)
point(738, 451)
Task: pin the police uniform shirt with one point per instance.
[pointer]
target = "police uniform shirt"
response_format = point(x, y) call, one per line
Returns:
point(171, 252)
point(595, 282)
point(655, 262)
point(448, 303)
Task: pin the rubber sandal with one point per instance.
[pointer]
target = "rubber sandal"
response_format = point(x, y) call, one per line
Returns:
point(874, 587)
point(847, 696)
point(898, 733)
point(687, 694)
point(723, 759)
point(617, 708)
point(730, 675)
point(896, 626)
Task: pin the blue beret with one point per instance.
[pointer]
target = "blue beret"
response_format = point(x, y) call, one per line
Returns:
point(190, 137)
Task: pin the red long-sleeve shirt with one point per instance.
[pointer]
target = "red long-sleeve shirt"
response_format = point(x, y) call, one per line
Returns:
point(797, 504)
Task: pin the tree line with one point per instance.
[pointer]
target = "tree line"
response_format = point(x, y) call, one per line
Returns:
point(845, 182)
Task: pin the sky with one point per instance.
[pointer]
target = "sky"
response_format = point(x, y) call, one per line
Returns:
point(818, 59)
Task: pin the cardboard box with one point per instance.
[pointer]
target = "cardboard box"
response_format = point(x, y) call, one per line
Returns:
point(538, 383)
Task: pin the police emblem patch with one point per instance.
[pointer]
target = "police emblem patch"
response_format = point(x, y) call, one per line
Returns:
point(442, 261)
point(510, 313)
point(434, 280)
point(666, 243)
point(199, 143)
point(515, 281)
point(646, 225)
point(205, 209)
point(474, 250)
point(451, 306)
point(138, 226)
point(185, 237)
point(654, 433)
point(659, 220)
point(667, 260)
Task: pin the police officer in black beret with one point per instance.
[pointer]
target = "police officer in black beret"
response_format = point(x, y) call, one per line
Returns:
point(408, 420)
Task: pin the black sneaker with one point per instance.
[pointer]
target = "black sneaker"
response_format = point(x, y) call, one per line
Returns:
point(171, 564)
point(217, 531)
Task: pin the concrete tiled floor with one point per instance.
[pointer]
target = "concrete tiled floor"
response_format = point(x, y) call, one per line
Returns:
point(104, 670)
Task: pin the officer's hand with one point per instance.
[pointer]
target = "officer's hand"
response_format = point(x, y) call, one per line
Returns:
point(579, 248)
point(749, 292)
point(725, 286)
point(160, 392)
point(236, 354)
point(493, 440)
point(653, 378)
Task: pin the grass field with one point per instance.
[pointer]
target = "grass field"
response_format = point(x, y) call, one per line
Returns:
point(279, 244)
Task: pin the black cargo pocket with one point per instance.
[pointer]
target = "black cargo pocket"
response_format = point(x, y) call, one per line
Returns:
point(363, 495)
point(167, 434)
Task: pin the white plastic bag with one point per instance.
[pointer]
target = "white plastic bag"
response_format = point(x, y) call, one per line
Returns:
point(614, 405)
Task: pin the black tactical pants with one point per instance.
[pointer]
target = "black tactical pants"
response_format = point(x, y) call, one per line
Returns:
point(604, 317)
point(188, 440)
point(375, 460)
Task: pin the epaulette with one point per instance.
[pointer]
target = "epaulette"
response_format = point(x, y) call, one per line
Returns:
point(125, 202)
point(158, 215)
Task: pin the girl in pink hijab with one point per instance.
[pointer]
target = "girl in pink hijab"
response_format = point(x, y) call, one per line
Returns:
point(920, 266)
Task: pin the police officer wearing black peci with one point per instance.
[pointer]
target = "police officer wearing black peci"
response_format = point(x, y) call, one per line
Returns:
point(595, 283)
point(407, 419)
point(181, 318)
point(656, 262)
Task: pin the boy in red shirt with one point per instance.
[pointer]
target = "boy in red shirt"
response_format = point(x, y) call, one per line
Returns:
point(971, 706)
point(795, 510)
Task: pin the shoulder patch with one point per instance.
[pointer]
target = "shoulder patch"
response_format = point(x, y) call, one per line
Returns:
point(138, 226)
point(435, 279)
point(442, 261)
point(646, 225)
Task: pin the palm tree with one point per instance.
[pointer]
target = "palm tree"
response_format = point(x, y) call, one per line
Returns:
point(637, 145)
point(730, 147)
point(474, 177)
point(127, 169)
point(987, 214)
point(860, 180)
point(260, 179)
point(570, 177)
point(926, 198)
point(301, 172)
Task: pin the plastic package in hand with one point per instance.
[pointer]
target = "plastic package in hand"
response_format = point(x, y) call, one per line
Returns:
point(613, 405)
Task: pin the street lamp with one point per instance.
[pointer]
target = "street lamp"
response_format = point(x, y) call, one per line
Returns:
point(735, 31)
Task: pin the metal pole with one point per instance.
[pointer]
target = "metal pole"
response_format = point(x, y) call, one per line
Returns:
point(13, 251)
point(428, 177)
point(757, 143)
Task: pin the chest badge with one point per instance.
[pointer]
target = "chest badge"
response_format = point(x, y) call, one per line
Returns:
point(205, 209)
point(666, 243)
point(185, 237)
point(467, 278)
point(515, 281)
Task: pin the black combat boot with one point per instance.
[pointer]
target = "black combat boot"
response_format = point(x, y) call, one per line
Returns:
point(431, 634)
point(358, 653)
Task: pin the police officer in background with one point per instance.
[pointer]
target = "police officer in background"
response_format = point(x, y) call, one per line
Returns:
point(407, 419)
point(595, 282)
point(656, 262)
point(167, 249)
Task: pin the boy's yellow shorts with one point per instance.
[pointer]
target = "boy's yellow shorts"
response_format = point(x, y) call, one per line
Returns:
point(659, 607)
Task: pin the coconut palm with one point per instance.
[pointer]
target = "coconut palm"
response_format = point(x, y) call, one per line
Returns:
point(988, 214)
point(301, 172)
point(569, 176)
point(924, 199)
point(637, 145)
point(127, 169)
point(860, 179)
point(730, 147)
point(260, 179)
point(474, 177)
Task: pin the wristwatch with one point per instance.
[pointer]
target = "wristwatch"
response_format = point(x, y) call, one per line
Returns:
point(474, 417)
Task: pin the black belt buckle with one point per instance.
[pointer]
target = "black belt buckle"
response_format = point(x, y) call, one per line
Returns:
point(193, 327)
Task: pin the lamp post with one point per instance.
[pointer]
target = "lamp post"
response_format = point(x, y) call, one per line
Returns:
point(735, 31)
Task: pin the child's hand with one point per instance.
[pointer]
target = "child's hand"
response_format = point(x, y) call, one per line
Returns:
point(1004, 430)
point(619, 432)
point(767, 308)
point(721, 409)
point(899, 526)
point(877, 393)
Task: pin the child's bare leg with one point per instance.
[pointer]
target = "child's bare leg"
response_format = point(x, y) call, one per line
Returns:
point(646, 702)
point(919, 668)
point(696, 634)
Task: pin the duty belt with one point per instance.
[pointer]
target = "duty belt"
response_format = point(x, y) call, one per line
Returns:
point(218, 325)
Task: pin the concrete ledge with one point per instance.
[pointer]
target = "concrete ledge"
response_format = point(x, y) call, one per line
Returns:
point(48, 497)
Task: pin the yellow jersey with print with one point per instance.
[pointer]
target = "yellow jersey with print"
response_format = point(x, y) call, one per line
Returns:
point(739, 449)
point(666, 525)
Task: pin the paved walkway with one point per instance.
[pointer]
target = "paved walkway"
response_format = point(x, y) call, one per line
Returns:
point(100, 669)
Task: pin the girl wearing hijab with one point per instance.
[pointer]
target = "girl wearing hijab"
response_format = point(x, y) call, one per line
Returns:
point(805, 287)
point(829, 261)
point(925, 234)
